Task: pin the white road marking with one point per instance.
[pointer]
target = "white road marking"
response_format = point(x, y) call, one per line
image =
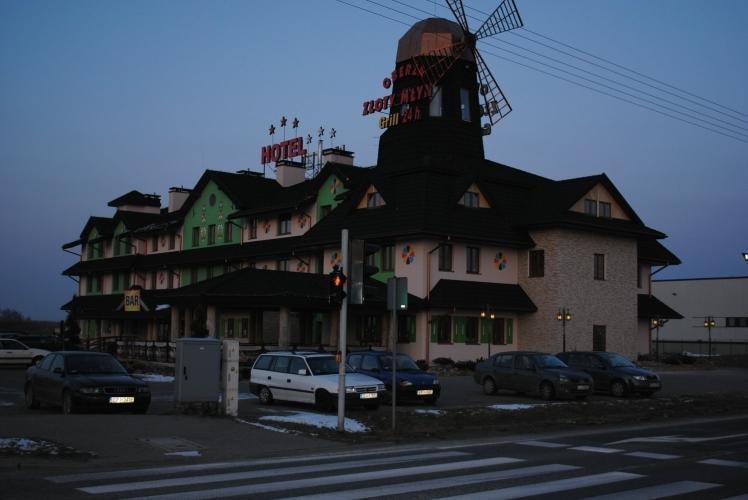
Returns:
point(596, 449)
point(256, 489)
point(677, 439)
point(654, 456)
point(726, 463)
point(434, 484)
point(543, 444)
point(258, 473)
point(658, 491)
point(549, 486)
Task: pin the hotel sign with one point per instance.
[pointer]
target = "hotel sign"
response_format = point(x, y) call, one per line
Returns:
point(132, 300)
point(283, 150)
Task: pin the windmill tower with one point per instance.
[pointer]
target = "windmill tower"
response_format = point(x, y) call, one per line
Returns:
point(444, 89)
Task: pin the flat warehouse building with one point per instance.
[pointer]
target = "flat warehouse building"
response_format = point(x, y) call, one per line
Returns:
point(497, 259)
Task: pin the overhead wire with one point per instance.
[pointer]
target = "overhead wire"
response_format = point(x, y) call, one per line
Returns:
point(706, 125)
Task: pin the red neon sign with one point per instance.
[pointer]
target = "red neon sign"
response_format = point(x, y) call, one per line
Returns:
point(283, 150)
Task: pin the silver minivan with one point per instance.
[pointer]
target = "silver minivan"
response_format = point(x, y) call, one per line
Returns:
point(309, 377)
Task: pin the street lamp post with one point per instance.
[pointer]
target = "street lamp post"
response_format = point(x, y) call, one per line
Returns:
point(487, 313)
point(563, 316)
point(657, 323)
point(709, 323)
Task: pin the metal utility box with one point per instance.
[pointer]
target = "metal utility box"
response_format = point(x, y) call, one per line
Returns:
point(198, 370)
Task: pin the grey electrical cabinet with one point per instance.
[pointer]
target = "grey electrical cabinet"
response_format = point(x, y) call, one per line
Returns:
point(198, 370)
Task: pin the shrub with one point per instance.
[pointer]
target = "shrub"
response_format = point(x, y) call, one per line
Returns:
point(465, 365)
point(444, 362)
point(422, 364)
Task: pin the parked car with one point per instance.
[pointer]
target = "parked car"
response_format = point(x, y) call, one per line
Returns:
point(532, 372)
point(613, 373)
point(78, 380)
point(13, 352)
point(413, 384)
point(309, 377)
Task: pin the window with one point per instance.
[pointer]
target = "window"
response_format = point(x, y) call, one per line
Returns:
point(154, 243)
point(445, 257)
point(599, 266)
point(388, 259)
point(99, 283)
point(297, 364)
point(281, 364)
point(355, 361)
point(590, 207)
point(603, 209)
point(245, 327)
point(369, 332)
point(228, 232)
point(505, 361)
point(370, 363)
point(195, 236)
point(471, 330)
point(208, 272)
point(465, 105)
point(284, 224)
point(443, 329)
point(193, 275)
point(89, 251)
point(473, 260)
point(89, 284)
point(116, 250)
point(598, 337)
point(153, 280)
point(230, 327)
point(115, 282)
point(127, 245)
point(471, 199)
point(435, 107)
point(406, 329)
point(497, 331)
point(537, 263)
point(172, 279)
point(523, 363)
point(172, 241)
point(252, 228)
point(212, 234)
point(282, 265)
point(374, 200)
point(736, 322)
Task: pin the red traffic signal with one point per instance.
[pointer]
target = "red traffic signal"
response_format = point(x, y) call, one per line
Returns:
point(337, 285)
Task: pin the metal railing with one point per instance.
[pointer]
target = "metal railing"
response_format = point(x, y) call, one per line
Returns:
point(133, 348)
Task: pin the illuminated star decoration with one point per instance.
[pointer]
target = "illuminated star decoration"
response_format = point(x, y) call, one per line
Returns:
point(283, 121)
point(295, 123)
point(271, 130)
point(309, 138)
point(321, 132)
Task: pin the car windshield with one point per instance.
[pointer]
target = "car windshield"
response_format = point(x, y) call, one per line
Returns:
point(618, 361)
point(322, 365)
point(404, 363)
point(92, 364)
point(548, 361)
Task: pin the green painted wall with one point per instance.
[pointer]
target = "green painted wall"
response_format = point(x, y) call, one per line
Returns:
point(202, 214)
point(123, 246)
point(96, 250)
point(327, 193)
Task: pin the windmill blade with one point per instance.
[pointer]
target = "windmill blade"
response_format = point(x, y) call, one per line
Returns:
point(506, 17)
point(494, 105)
point(458, 9)
point(435, 63)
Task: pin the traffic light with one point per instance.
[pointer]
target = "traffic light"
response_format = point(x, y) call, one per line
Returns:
point(363, 266)
point(337, 285)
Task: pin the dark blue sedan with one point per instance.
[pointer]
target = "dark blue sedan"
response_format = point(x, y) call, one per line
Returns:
point(413, 384)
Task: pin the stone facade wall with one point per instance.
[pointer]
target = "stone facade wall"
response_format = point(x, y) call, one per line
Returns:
point(569, 282)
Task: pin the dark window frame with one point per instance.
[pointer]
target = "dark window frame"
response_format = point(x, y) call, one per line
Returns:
point(472, 260)
point(196, 236)
point(445, 257)
point(284, 224)
point(599, 266)
point(598, 337)
point(536, 263)
point(388, 258)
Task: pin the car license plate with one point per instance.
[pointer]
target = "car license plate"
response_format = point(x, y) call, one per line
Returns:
point(583, 387)
point(425, 392)
point(122, 399)
point(654, 384)
point(369, 395)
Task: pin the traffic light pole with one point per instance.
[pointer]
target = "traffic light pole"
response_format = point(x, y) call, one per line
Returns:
point(342, 338)
point(393, 329)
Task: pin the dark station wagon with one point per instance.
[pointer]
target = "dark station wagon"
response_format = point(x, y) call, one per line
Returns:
point(613, 373)
point(533, 373)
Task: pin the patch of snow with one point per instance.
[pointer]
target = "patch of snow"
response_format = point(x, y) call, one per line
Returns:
point(318, 420)
point(22, 444)
point(266, 427)
point(154, 377)
point(6, 403)
point(513, 407)
point(246, 395)
point(430, 412)
point(191, 453)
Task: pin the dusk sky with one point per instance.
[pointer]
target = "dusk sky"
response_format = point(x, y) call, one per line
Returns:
point(98, 98)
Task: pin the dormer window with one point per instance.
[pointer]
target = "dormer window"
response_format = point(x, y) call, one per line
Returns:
point(597, 208)
point(470, 199)
point(374, 200)
point(590, 207)
point(603, 209)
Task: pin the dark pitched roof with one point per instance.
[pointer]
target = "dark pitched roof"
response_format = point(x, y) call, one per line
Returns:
point(650, 306)
point(104, 225)
point(474, 295)
point(654, 252)
point(110, 307)
point(136, 198)
point(113, 264)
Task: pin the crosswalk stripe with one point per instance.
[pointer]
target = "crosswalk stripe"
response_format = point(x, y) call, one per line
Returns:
point(549, 486)
point(596, 449)
point(255, 489)
point(434, 484)
point(726, 463)
point(543, 444)
point(658, 491)
point(256, 473)
point(653, 456)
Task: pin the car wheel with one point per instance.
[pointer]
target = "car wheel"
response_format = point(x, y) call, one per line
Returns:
point(266, 397)
point(618, 389)
point(323, 401)
point(68, 406)
point(547, 392)
point(31, 402)
point(489, 386)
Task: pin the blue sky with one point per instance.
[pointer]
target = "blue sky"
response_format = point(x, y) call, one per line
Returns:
point(101, 97)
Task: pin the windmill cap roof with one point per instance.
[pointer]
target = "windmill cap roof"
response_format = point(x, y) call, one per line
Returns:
point(427, 35)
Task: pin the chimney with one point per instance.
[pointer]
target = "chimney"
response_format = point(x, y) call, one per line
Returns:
point(337, 155)
point(289, 173)
point(177, 197)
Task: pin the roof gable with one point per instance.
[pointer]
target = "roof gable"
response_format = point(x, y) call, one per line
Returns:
point(371, 198)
